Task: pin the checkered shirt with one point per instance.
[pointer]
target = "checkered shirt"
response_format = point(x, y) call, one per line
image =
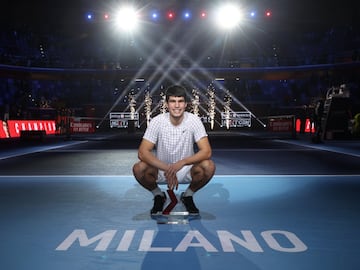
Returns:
point(173, 143)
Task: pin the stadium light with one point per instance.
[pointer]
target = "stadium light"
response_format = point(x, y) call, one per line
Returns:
point(186, 15)
point(228, 16)
point(170, 15)
point(89, 16)
point(203, 14)
point(127, 19)
point(268, 13)
point(155, 16)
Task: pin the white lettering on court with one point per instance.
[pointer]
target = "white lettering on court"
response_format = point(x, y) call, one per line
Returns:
point(298, 245)
point(103, 238)
point(249, 241)
point(146, 242)
point(193, 239)
point(201, 242)
point(126, 240)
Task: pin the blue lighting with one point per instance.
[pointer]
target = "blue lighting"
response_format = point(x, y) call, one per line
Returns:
point(187, 15)
point(155, 15)
point(89, 16)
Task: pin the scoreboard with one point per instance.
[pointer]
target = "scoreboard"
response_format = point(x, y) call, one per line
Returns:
point(236, 119)
point(121, 119)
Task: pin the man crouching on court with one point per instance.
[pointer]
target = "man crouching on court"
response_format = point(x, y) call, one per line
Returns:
point(167, 154)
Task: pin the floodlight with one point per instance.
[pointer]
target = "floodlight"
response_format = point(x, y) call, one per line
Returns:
point(228, 16)
point(127, 18)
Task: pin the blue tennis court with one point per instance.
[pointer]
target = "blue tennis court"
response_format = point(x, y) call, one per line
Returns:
point(256, 222)
point(64, 207)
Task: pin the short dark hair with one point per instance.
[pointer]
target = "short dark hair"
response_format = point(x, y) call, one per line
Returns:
point(176, 91)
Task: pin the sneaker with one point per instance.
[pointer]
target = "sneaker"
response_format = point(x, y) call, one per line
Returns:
point(189, 204)
point(159, 202)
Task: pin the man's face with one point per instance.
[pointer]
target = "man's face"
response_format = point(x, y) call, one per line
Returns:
point(176, 106)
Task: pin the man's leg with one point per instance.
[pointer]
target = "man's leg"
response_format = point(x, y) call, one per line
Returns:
point(147, 176)
point(200, 175)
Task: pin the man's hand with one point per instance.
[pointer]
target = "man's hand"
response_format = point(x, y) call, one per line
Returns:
point(171, 178)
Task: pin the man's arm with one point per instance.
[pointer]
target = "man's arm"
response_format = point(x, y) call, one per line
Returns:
point(203, 153)
point(145, 154)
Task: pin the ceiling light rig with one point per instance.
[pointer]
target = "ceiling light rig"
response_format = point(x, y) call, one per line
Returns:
point(226, 16)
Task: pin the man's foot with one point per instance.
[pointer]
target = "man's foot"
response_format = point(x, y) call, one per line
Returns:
point(159, 202)
point(189, 204)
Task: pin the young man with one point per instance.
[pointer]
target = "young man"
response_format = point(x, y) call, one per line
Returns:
point(173, 135)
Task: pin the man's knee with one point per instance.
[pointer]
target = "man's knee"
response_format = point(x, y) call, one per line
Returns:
point(136, 168)
point(206, 169)
point(143, 170)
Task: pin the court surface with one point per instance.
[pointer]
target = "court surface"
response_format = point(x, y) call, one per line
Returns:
point(273, 204)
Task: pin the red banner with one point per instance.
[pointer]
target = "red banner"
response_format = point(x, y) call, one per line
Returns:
point(16, 126)
point(3, 130)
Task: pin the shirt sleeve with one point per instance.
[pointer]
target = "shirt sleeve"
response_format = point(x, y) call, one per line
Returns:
point(151, 132)
point(200, 131)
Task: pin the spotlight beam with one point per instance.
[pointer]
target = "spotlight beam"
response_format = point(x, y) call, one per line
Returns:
point(253, 115)
point(113, 106)
point(164, 69)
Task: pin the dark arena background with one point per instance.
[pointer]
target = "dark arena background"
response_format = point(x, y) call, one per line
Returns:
point(276, 84)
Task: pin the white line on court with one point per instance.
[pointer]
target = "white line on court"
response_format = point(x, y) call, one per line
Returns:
point(36, 149)
point(258, 150)
point(333, 149)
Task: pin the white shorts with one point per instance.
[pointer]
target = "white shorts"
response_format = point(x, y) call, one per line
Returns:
point(183, 176)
